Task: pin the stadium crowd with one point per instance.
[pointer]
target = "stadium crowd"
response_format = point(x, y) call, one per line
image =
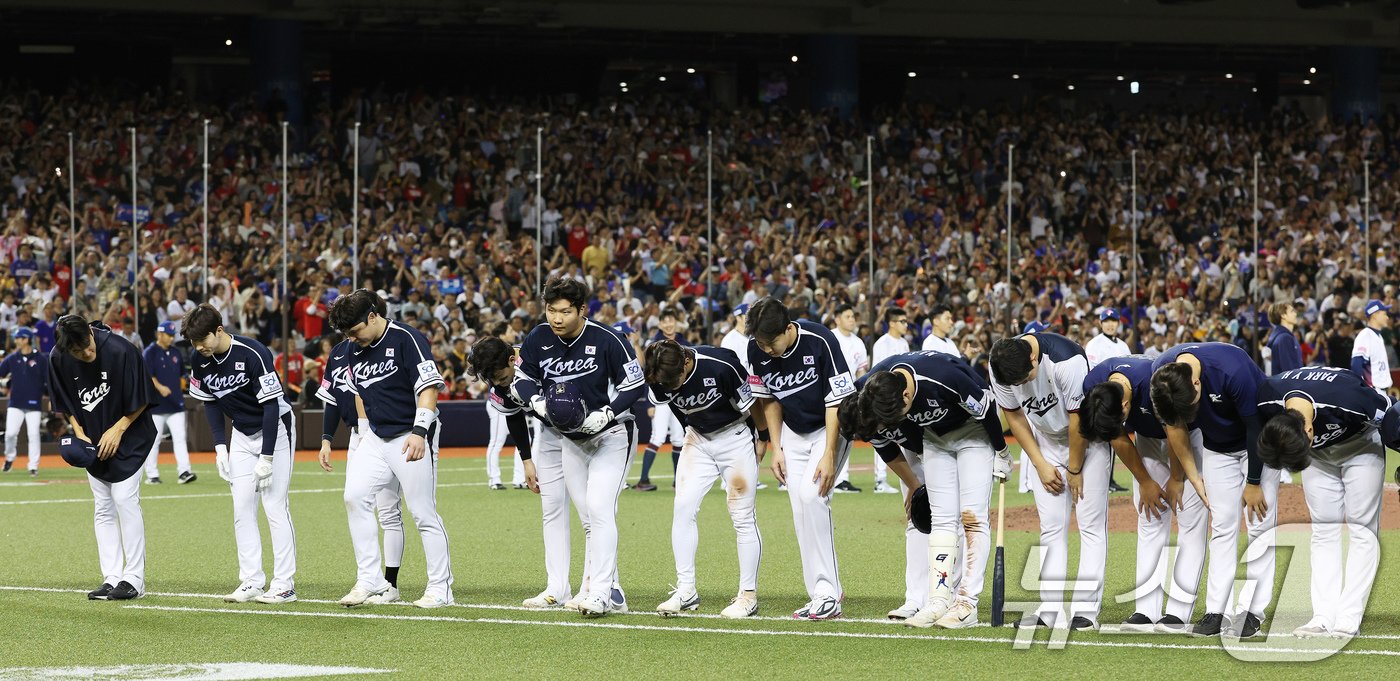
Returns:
point(448, 217)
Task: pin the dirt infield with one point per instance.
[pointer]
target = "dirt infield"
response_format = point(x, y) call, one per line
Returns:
point(1122, 517)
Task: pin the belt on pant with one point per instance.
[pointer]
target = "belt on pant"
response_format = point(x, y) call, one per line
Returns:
point(722, 429)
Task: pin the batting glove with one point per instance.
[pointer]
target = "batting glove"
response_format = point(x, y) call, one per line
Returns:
point(1001, 464)
point(262, 473)
point(537, 405)
point(596, 421)
point(221, 462)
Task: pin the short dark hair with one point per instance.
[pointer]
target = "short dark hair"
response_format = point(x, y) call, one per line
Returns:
point(843, 308)
point(669, 312)
point(202, 321)
point(1101, 414)
point(1011, 360)
point(853, 424)
point(353, 308)
point(938, 310)
point(488, 356)
point(665, 363)
point(882, 400)
point(1277, 311)
point(72, 334)
point(768, 319)
point(565, 288)
point(892, 313)
point(1284, 443)
point(1174, 395)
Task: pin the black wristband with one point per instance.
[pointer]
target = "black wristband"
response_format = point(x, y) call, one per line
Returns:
point(326, 438)
point(420, 431)
point(763, 435)
point(1081, 470)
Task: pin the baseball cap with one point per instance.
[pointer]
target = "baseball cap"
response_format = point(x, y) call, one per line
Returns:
point(741, 310)
point(344, 281)
point(564, 406)
point(1390, 427)
point(1107, 314)
point(623, 328)
point(77, 453)
point(24, 332)
point(1376, 306)
point(1034, 327)
point(167, 328)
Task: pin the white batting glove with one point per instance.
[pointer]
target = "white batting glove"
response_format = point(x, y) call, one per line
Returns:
point(596, 421)
point(221, 462)
point(1001, 464)
point(262, 472)
point(537, 405)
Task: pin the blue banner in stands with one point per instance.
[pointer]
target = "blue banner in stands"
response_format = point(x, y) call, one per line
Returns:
point(143, 213)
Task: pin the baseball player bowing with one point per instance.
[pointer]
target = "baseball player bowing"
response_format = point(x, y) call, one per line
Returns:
point(1038, 381)
point(1214, 387)
point(341, 406)
point(28, 370)
point(395, 381)
point(601, 367)
point(99, 381)
point(1325, 422)
point(493, 361)
point(800, 378)
point(962, 449)
point(1117, 409)
point(708, 389)
point(234, 377)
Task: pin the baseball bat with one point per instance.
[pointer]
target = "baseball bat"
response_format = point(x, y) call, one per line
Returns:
point(999, 571)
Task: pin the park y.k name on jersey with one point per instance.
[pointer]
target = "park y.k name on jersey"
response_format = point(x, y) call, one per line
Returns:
point(1343, 405)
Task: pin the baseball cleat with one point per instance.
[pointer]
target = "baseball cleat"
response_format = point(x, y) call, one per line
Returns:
point(1031, 622)
point(100, 593)
point(518, 485)
point(802, 612)
point(433, 601)
point(358, 596)
point(123, 591)
point(594, 606)
point(496, 486)
point(618, 600)
point(186, 478)
point(846, 487)
point(928, 615)
point(961, 616)
point(1314, 628)
point(243, 594)
point(644, 486)
point(573, 603)
point(1249, 626)
point(8, 465)
point(824, 608)
point(284, 596)
point(782, 487)
point(389, 595)
point(1171, 624)
point(1345, 634)
point(761, 485)
point(1210, 624)
point(742, 606)
point(544, 601)
point(1138, 624)
point(885, 488)
point(154, 481)
point(680, 601)
point(1079, 622)
point(33, 472)
point(904, 612)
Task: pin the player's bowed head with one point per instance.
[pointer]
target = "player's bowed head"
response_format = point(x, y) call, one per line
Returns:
point(74, 337)
point(360, 315)
point(770, 326)
point(667, 364)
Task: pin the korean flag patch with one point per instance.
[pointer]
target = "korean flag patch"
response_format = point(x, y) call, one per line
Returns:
point(809, 360)
point(590, 350)
point(709, 383)
point(388, 352)
point(238, 366)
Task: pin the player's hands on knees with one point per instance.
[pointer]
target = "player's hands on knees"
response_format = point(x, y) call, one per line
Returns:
point(1150, 501)
point(1200, 486)
point(107, 446)
point(1254, 501)
point(1050, 477)
point(825, 475)
point(778, 464)
point(325, 456)
point(532, 479)
point(1076, 485)
point(414, 447)
point(1175, 493)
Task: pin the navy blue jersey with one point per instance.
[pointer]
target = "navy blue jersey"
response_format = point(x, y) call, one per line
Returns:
point(891, 444)
point(1343, 405)
point(1230, 383)
point(389, 374)
point(1287, 353)
point(806, 380)
point(679, 338)
point(99, 393)
point(599, 362)
point(29, 378)
point(1140, 419)
point(335, 383)
point(948, 393)
point(168, 367)
point(241, 381)
point(715, 394)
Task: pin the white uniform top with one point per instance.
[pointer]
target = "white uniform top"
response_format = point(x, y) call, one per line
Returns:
point(1369, 345)
point(944, 345)
point(888, 346)
point(1056, 390)
point(854, 350)
point(1101, 348)
point(739, 344)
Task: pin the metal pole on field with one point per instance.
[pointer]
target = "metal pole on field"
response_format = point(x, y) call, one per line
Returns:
point(539, 210)
point(1366, 225)
point(1010, 181)
point(871, 295)
point(286, 294)
point(135, 240)
point(709, 229)
point(1133, 299)
point(355, 211)
point(1254, 295)
point(205, 209)
point(72, 228)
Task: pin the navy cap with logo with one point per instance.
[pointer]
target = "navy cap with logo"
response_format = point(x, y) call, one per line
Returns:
point(1376, 306)
point(741, 310)
point(1034, 327)
point(623, 328)
point(78, 453)
point(167, 328)
point(24, 332)
point(565, 406)
point(1107, 314)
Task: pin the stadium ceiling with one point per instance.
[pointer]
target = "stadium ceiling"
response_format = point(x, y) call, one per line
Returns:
point(1194, 22)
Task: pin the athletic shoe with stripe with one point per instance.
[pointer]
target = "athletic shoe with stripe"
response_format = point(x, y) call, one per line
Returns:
point(544, 601)
point(285, 596)
point(594, 606)
point(1138, 624)
point(961, 616)
point(929, 615)
point(100, 593)
point(618, 600)
point(243, 594)
point(825, 608)
point(123, 591)
point(680, 601)
point(742, 606)
point(1171, 624)
point(802, 612)
point(904, 612)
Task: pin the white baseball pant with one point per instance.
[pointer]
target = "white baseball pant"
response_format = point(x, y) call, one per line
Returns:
point(547, 451)
point(811, 512)
point(121, 531)
point(29, 418)
point(728, 455)
point(1154, 538)
point(1224, 476)
point(244, 451)
point(377, 464)
point(665, 425)
point(499, 431)
point(175, 423)
point(881, 471)
point(1343, 486)
point(1092, 514)
point(386, 507)
point(957, 468)
point(595, 472)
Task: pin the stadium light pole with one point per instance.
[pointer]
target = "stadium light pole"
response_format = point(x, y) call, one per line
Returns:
point(539, 210)
point(709, 227)
point(135, 238)
point(72, 229)
point(1010, 180)
point(205, 209)
point(1366, 225)
point(286, 294)
point(871, 300)
point(1132, 300)
point(355, 210)
point(1254, 294)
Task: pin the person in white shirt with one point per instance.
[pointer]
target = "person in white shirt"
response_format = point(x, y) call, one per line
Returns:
point(736, 340)
point(891, 344)
point(853, 348)
point(940, 340)
point(1368, 357)
point(1107, 344)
